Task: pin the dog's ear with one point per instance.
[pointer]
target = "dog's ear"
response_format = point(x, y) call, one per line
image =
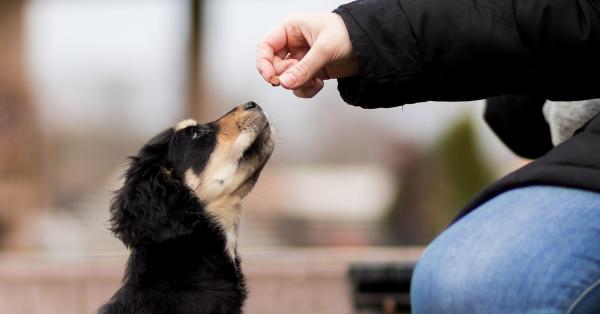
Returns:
point(153, 205)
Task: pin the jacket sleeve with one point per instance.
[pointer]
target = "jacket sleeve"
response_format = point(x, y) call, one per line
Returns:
point(519, 122)
point(418, 50)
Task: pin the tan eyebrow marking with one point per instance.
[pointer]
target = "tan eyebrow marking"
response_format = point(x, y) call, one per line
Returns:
point(185, 123)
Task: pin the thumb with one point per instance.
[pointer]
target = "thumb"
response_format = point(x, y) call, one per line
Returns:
point(315, 59)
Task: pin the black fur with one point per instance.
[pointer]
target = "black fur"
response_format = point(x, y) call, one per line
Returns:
point(178, 263)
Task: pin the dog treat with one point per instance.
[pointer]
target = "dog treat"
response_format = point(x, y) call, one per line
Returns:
point(274, 80)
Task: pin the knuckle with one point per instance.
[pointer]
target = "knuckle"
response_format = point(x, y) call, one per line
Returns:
point(293, 17)
point(325, 46)
point(302, 70)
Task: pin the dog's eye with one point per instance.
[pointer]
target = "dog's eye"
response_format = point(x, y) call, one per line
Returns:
point(197, 133)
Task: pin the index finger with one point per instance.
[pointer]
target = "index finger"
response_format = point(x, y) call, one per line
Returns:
point(272, 43)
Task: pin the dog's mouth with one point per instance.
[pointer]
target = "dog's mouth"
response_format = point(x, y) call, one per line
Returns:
point(262, 145)
point(257, 153)
point(250, 134)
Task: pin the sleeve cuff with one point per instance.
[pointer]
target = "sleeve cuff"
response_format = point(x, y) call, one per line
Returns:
point(387, 55)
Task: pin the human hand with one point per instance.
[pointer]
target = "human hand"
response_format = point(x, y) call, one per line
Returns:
point(305, 50)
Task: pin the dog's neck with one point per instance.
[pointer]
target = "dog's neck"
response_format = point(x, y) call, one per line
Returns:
point(196, 261)
point(226, 214)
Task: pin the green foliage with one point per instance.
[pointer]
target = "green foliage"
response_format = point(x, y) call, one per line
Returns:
point(464, 171)
point(436, 185)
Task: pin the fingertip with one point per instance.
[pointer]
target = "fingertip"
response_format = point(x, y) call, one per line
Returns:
point(265, 69)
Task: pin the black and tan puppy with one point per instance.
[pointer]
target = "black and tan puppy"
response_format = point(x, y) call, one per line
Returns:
point(179, 210)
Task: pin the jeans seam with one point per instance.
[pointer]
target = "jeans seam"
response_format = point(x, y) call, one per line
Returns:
point(583, 295)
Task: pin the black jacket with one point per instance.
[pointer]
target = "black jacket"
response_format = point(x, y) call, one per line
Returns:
point(418, 50)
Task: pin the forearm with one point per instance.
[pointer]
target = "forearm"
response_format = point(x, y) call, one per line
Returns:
point(417, 50)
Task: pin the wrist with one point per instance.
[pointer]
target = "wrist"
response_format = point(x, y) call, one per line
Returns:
point(344, 62)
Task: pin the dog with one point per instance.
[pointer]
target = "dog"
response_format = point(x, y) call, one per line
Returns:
point(179, 210)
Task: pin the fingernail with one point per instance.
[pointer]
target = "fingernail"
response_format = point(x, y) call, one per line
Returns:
point(287, 79)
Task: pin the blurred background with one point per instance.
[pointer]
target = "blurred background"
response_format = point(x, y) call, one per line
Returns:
point(83, 84)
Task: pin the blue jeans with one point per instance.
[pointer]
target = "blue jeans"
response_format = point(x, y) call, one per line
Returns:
point(529, 250)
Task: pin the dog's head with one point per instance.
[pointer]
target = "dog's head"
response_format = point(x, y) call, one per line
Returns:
point(189, 172)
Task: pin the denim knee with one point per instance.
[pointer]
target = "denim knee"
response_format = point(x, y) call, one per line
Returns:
point(442, 283)
point(531, 250)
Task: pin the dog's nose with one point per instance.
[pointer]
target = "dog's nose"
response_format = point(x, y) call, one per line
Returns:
point(251, 106)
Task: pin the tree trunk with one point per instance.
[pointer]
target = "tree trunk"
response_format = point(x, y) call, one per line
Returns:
point(19, 135)
point(194, 79)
